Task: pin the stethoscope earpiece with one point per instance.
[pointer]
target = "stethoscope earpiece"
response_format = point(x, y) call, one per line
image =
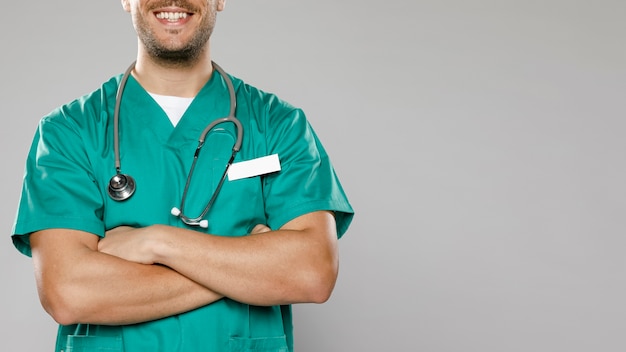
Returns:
point(121, 187)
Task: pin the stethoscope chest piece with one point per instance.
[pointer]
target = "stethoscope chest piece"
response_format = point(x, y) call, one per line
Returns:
point(121, 187)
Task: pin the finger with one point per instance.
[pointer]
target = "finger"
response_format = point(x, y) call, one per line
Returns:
point(260, 228)
point(119, 229)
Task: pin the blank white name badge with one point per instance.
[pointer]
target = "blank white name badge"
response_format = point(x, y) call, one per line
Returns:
point(255, 167)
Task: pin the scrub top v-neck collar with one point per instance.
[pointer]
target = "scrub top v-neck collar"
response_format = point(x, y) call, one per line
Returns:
point(211, 102)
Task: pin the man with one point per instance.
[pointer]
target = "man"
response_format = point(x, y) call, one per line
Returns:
point(129, 276)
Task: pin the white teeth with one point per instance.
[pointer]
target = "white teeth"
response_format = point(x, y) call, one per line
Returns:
point(171, 16)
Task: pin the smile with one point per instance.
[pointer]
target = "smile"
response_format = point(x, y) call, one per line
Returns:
point(171, 16)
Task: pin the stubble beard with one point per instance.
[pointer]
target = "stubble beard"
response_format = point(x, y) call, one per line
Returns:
point(172, 54)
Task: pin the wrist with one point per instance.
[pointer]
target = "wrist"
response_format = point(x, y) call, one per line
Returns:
point(159, 245)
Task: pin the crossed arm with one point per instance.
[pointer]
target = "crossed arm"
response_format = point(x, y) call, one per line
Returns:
point(136, 275)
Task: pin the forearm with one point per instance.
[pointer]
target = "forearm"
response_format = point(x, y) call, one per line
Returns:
point(267, 269)
point(113, 291)
point(82, 285)
point(280, 267)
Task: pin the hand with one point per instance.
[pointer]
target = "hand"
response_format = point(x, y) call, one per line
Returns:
point(260, 228)
point(129, 243)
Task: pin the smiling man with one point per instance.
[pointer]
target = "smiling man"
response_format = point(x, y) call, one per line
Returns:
point(122, 263)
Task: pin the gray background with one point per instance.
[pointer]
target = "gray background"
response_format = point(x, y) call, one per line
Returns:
point(481, 144)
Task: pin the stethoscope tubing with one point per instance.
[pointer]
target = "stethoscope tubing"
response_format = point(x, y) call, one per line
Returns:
point(120, 195)
point(116, 116)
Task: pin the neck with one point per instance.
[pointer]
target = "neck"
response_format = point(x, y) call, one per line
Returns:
point(181, 80)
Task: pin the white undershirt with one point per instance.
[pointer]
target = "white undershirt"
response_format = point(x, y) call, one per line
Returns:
point(174, 107)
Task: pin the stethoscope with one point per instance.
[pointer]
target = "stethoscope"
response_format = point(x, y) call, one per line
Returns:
point(122, 186)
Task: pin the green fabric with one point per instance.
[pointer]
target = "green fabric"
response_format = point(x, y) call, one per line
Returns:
point(72, 159)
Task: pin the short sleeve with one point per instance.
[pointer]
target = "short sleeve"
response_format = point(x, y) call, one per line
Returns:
point(307, 181)
point(59, 190)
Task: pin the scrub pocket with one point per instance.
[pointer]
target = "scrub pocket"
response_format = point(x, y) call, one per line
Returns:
point(88, 338)
point(82, 343)
point(258, 344)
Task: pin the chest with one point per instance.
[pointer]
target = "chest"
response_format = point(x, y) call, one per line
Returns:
point(161, 165)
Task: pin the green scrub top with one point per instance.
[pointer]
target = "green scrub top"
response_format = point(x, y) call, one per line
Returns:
point(72, 159)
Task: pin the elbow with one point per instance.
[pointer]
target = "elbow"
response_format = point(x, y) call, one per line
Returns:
point(61, 314)
point(62, 317)
point(61, 307)
point(320, 285)
point(320, 294)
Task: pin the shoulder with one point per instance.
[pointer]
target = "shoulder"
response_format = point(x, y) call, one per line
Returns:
point(259, 99)
point(267, 113)
point(85, 110)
